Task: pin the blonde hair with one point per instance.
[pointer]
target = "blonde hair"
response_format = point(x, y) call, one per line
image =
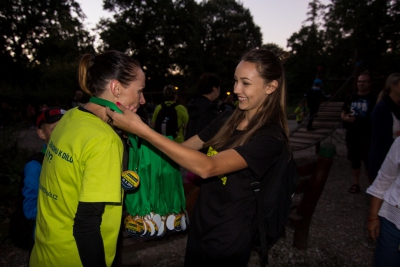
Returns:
point(272, 110)
point(393, 79)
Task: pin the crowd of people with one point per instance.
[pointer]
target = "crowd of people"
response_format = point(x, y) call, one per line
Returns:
point(74, 193)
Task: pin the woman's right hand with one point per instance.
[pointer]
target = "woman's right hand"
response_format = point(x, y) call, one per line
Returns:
point(128, 121)
point(373, 226)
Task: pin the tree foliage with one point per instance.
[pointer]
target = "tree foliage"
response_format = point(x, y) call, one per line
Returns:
point(178, 40)
point(343, 34)
point(41, 41)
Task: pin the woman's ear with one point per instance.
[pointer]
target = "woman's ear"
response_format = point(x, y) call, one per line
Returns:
point(271, 87)
point(115, 88)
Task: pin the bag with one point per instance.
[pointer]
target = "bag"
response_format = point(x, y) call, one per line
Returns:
point(167, 121)
point(21, 228)
point(274, 199)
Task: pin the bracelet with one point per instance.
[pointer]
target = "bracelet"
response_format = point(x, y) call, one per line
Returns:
point(371, 219)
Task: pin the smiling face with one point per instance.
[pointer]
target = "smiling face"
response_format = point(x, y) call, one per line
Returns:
point(132, 95)
point(250, 87)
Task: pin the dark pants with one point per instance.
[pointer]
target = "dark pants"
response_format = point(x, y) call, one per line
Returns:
point(387, 252)
point(195, 256)
point(357, 151)
point(313, 112)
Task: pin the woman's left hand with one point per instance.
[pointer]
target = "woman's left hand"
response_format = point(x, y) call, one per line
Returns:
point(128, 121)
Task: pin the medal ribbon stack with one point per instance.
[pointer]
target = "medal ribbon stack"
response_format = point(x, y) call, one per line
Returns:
point(158, 205)
point(155, 199)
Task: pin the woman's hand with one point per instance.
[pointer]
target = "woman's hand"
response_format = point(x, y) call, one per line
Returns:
point(373, 226)
point(128, 121)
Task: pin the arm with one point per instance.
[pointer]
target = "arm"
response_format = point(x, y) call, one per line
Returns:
point(347, 117)
point(185, 155)
point(31, 188)
point(155, 113)
point(387, 175)
point(194, 142)
point(86, 231)
point(184, 115)
point(373, 223)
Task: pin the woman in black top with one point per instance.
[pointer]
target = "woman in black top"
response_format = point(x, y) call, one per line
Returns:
point(249, 138)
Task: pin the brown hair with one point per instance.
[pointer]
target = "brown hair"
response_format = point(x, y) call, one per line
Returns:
point(169, 92)
point(393, 79)
point(95, 71)
point(272, 110)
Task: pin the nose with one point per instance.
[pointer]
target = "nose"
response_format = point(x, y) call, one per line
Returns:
point(236, 88)
point(142, 100)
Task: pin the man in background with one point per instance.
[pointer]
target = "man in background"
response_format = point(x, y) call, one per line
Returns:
point(203, 109)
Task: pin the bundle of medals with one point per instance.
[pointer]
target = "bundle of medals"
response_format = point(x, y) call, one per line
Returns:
point(152, 224)
point(155, 225)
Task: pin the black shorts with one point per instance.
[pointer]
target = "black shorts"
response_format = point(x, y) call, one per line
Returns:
point(357, 151)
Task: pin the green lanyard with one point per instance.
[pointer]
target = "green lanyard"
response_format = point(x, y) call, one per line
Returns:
point(133, 139)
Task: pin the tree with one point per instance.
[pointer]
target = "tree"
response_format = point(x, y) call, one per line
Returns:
point(178, 40)
point(344, 34)
point(308, 51)
point(38, 37)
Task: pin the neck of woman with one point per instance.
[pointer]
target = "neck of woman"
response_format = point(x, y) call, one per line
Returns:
point(98, 110)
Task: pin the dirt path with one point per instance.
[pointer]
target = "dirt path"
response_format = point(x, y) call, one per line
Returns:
point(337, 233)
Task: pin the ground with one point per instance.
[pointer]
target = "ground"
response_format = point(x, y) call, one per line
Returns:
point(337, 232)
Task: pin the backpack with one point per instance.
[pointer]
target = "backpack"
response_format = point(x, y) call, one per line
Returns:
point(21, 228)
point(274, 199)
point(167, 121)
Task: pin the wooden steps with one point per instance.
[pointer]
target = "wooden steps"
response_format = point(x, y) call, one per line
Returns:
point(325, 123)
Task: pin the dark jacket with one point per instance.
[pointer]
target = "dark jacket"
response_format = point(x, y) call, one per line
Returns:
point(201, 112)
point(382, 133)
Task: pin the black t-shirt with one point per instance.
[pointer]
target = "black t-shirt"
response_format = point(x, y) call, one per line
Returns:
point(223, 218)
point(359, 106)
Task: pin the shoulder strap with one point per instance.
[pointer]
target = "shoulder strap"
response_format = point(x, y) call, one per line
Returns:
point(255, 185)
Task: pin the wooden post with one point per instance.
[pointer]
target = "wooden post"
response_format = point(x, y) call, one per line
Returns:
point(311, 195)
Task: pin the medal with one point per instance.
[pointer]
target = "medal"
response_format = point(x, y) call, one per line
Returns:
point(130, 180)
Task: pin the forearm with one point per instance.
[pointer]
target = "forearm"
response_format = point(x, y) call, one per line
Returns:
point(374, 207)
point(86, 231)
point(184, 155)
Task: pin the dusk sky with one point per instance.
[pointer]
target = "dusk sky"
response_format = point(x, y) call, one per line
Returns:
point(278, 19)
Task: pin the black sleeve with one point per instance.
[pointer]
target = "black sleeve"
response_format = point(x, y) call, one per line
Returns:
point(87, 234)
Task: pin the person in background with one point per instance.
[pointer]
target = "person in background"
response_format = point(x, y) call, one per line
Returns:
point(46, 122)
point(385, 123)
point(249, 139)
point(356, 117)
point(203, 109)
point(383, 222)
point(299, 111)
point(314, 98)
point(80, 197)
point(170, 96)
